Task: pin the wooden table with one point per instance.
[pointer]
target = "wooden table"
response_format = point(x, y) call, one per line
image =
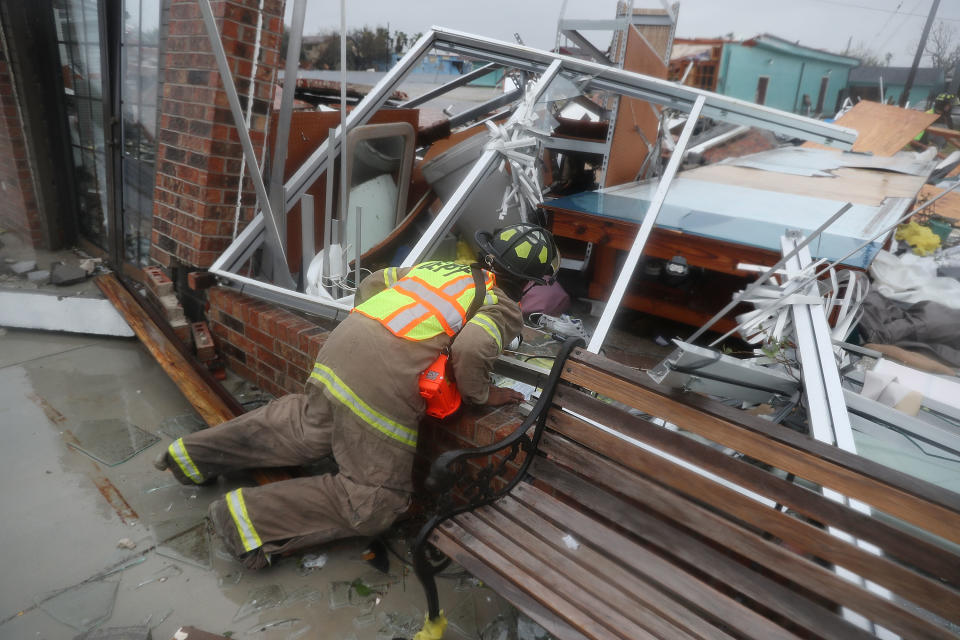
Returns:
point(694, 306)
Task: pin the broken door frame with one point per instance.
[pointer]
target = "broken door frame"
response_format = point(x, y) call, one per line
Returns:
point(588, 76)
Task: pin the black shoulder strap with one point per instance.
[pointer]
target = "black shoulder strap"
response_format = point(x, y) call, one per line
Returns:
point(479, 290)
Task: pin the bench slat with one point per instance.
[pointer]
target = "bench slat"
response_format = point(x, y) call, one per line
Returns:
point(794, 606)
point(593, 560)
point(624, 611)
point(936, 516)
point(702, 596)
point(504, 558)
point(546, 618)
point(895, 542)
point(912, 586)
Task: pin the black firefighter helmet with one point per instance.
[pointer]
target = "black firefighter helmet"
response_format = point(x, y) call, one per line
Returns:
point(525, 251)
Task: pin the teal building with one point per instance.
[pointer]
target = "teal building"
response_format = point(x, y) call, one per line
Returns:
point(772, 71)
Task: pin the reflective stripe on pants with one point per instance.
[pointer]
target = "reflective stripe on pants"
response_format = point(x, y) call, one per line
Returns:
point(238, 509)
point(365, 412)
point(179, 454)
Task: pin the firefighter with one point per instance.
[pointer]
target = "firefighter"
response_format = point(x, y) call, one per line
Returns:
point(362, 402)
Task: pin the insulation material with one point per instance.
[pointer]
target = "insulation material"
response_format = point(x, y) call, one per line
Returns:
point(883, 129)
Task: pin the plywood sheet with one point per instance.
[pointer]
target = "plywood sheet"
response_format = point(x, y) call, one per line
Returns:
point(637, 120)
point(883, 129)
point(948, 206)
point(859, 186)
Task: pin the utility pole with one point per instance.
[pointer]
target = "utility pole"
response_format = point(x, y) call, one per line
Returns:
point(919, 54)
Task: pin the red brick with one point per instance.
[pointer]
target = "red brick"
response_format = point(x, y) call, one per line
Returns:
point(269, 357)
point(260, 338)
point(203, 341)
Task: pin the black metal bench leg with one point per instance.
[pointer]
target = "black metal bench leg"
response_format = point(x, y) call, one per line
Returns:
point(426, 571)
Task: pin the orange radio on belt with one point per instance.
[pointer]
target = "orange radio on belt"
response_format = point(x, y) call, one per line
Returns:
point(438, 389)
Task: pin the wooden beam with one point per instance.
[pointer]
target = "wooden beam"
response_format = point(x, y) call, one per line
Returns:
point(207, 397)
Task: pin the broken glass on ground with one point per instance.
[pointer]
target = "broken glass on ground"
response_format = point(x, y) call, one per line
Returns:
point(463, 616)
point(365, 620)
point(155, 619)
point(308, 595)
point(260, 599)
point(82, 607)
point(141, 632)
point(528, 629)
point(178, 426)
point(169, 571)
point(111, 441)
point(397, 624)
point(498, 629)
point(285, 623)
point(184, 539)
point(339, 594)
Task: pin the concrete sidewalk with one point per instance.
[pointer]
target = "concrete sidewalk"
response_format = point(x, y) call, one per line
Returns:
point(64, 514)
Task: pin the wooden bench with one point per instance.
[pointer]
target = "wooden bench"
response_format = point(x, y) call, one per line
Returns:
point(715, 530)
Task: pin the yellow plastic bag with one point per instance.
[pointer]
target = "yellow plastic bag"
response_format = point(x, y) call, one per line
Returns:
point(921, 238)
point(432, 629)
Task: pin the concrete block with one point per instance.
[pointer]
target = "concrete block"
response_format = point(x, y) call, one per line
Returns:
point(182, 329)
point(172, 309)
point(158, 282)
point(40, 275)
point(24, 266)
point(66, 274)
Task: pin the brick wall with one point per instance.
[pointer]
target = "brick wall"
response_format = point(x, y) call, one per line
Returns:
point(19, 210)
point(198, 176)
point(269, 346)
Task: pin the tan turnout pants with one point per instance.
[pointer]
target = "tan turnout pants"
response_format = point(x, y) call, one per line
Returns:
point(303, 512)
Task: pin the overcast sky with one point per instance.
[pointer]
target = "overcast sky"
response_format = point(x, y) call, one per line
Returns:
point(882, 25)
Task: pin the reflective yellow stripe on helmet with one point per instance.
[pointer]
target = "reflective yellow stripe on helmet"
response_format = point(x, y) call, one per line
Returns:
point(390, 276)
point(365, 412)
point(484, 322)
point(179, 453)
point(238, 509)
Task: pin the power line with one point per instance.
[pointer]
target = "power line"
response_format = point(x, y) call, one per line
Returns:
point(869, 8)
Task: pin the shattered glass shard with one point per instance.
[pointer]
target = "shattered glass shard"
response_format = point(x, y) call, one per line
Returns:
point(111, 441)
point(260, 599)
point(463, 616)
point(309, 595)
point(395, 624)
point(340, 594)
point(184, 539)
point(528, 629)
point(178, 426)
point(82, 607)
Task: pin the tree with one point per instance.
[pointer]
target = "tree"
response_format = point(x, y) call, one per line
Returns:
point(400, 41)
point(867, 56)
point(942, 48)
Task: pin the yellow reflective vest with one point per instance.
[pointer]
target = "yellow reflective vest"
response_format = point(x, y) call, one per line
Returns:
point(432, 298)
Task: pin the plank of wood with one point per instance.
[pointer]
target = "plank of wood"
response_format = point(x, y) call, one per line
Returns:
point(802, 535)
point(610, 567)
point(894, 542)
point(952, 136)
point(770, 594)
point(915, 501)
point(882, 129)
point(591, 597)
point(450, 536)
point(948, 206)
point(620, 598)
point(637, 120)
point(196, 388)
point(718, 605)
point(859, 186)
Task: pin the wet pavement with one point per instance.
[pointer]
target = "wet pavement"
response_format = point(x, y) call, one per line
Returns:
point(90, 545)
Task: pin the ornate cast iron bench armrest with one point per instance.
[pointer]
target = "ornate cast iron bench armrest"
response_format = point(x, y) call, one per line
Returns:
point(479, 489)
